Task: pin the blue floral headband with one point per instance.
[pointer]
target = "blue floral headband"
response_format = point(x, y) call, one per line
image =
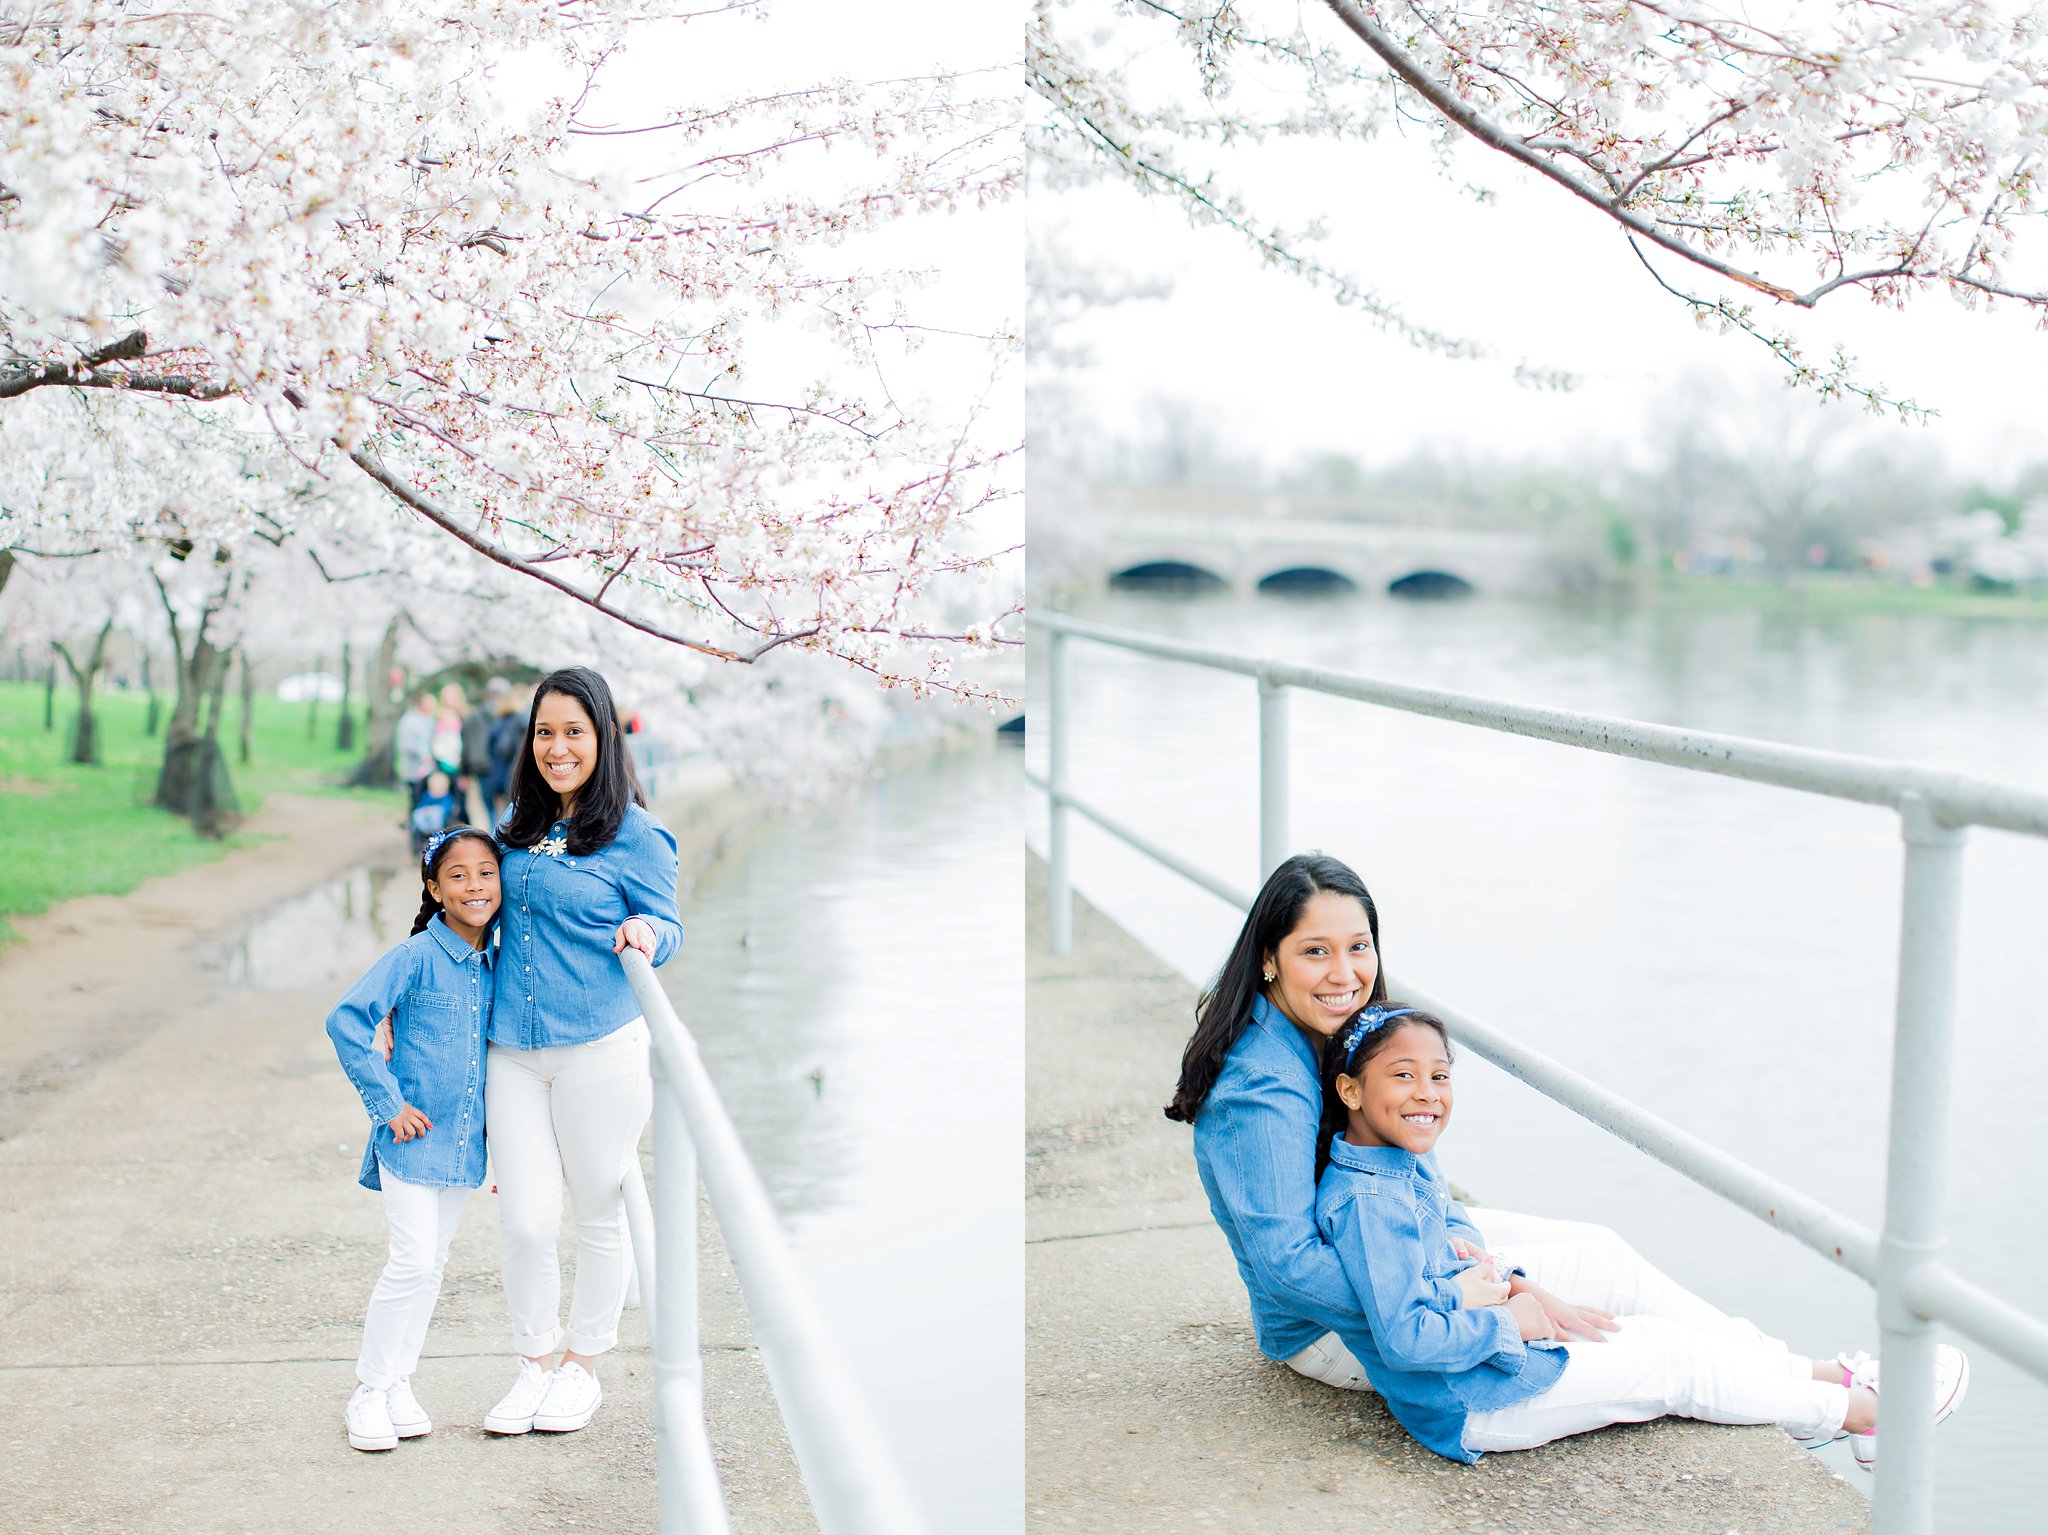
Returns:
point(435, 842)
point(1373, 1018)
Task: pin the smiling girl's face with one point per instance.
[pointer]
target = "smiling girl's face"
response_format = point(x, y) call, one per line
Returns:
point(1323, 971)
point(1402, 1096)
point(564, 746)
point(466, 885)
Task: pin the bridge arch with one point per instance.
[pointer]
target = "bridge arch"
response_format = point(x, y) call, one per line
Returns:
point(1176, 575)
point(1430, 586)
point(1307, 581)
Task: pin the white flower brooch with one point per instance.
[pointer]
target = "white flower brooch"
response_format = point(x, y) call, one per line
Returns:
point(553, 846)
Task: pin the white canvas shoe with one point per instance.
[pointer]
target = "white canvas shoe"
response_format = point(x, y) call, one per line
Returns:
point(572, 1399)
point(514, 1413)
point(408, 1418)
point(1951, 1384)
point(369, 1421)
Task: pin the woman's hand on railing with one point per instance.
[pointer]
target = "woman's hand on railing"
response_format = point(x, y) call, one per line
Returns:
point(1478, 1287)
point(1582, 1324)
point(636, 934)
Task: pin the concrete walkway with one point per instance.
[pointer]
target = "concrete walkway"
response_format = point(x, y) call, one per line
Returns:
point(1150, 1409)
point(187, 1255)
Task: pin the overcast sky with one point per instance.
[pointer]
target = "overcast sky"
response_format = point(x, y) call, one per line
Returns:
point(1537, 276)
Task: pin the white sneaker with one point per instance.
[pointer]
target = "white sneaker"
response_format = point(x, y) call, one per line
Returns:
point(573, 1395)
point(514, 1414)
point(408, 1418)
point(369, 1421)
point(1951, 1385)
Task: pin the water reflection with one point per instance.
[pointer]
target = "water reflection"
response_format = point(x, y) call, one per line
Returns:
point(337, 930)
point(1723, 953)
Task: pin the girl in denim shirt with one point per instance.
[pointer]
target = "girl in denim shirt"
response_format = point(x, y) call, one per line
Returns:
point(589, 872)
point(1477, 1367)
point(426, 1108)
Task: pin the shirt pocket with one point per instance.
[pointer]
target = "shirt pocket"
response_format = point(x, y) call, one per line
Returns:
point(430, 1015)
point(1437, 1258)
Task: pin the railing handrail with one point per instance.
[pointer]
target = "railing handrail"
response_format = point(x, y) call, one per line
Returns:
point(1955, 798)
point(1935, 806)
point(849, 1473)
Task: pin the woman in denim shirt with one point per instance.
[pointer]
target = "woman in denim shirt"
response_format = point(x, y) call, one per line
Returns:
point(1305, 962)
point(426, 1149)
point(589, 872)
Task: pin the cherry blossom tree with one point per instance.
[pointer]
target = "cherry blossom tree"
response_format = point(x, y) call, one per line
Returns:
point(643, 355)
point(1760, 160)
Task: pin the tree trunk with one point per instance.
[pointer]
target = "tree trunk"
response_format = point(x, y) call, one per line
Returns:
point(381, 721)
point(345, 735)
point(194, 781)
point(6, 567)
point(84, 732)
point(154, 717)
point(50, 696)
point(248, 709)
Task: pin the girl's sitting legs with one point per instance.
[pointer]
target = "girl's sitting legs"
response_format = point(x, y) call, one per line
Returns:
point(1654, 1367)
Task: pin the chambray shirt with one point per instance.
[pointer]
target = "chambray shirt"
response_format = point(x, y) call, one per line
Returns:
point(1384, 1210)
point(559, 983)
point(439, 993)
point(1255, 1147)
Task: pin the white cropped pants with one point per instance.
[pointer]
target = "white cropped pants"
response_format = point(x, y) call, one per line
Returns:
point(574, 1112)
point(422, 1221)
point(1675, 1355)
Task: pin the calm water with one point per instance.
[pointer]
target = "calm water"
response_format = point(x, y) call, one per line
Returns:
point(854, 977)
point(1723, 953)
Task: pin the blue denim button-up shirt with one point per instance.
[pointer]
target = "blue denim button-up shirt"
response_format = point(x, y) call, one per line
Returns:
point(1255, 1147)
point(559, 983)
point(1384, 1211)
point(439, 993)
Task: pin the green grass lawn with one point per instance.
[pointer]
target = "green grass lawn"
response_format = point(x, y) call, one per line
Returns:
point(67, 830)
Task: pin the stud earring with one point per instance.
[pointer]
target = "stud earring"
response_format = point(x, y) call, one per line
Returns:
point(1270, 977)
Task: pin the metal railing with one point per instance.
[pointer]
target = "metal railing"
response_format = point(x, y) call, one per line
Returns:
point(848, 1472)
point(1915, 1287)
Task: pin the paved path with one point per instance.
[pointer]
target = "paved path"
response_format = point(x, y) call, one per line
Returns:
point(187, 1254)
point(1151, 1410)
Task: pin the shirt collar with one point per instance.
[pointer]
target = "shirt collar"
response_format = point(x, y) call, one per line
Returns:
point(1275, 1022)
point(1378, 1159)
point(456, 948)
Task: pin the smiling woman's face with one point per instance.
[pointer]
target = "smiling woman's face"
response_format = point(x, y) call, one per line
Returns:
point(564, 746)
point(1323, 971)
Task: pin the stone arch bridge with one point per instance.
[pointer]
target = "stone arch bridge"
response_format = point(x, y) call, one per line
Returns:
point(1250, 553)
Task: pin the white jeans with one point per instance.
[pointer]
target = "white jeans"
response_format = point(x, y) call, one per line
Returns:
point(422, 1222)
point(1674, 1355)
point(574, 1110)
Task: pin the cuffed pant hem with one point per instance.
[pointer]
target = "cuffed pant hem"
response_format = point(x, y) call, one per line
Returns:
point(533, 1345)
point(590, 1343)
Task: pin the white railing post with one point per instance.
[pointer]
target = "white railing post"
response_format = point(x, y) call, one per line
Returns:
point(691, 1502)
point(1059, 875)
point(1273, 848)
point(1916, 1175)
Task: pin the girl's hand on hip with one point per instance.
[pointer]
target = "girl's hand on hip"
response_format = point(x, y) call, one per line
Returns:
point(1584, 1324)
point(1478, 1287)
point(634, 933)
point(410, 1124)
point(1530, 1317)
point(381, 1040)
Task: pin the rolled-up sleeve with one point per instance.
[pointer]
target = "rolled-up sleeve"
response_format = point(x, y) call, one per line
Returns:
point(646, 875)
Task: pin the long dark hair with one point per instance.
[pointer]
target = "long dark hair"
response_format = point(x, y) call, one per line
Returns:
point(612, 788)
point(439, 846)
point(1224, 1009)
point(1335, 1115)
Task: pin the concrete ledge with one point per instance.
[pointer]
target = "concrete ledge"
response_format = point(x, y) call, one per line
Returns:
point(1149, 1407)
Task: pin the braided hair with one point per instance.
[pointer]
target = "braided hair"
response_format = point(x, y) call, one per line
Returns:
point(433, 855)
